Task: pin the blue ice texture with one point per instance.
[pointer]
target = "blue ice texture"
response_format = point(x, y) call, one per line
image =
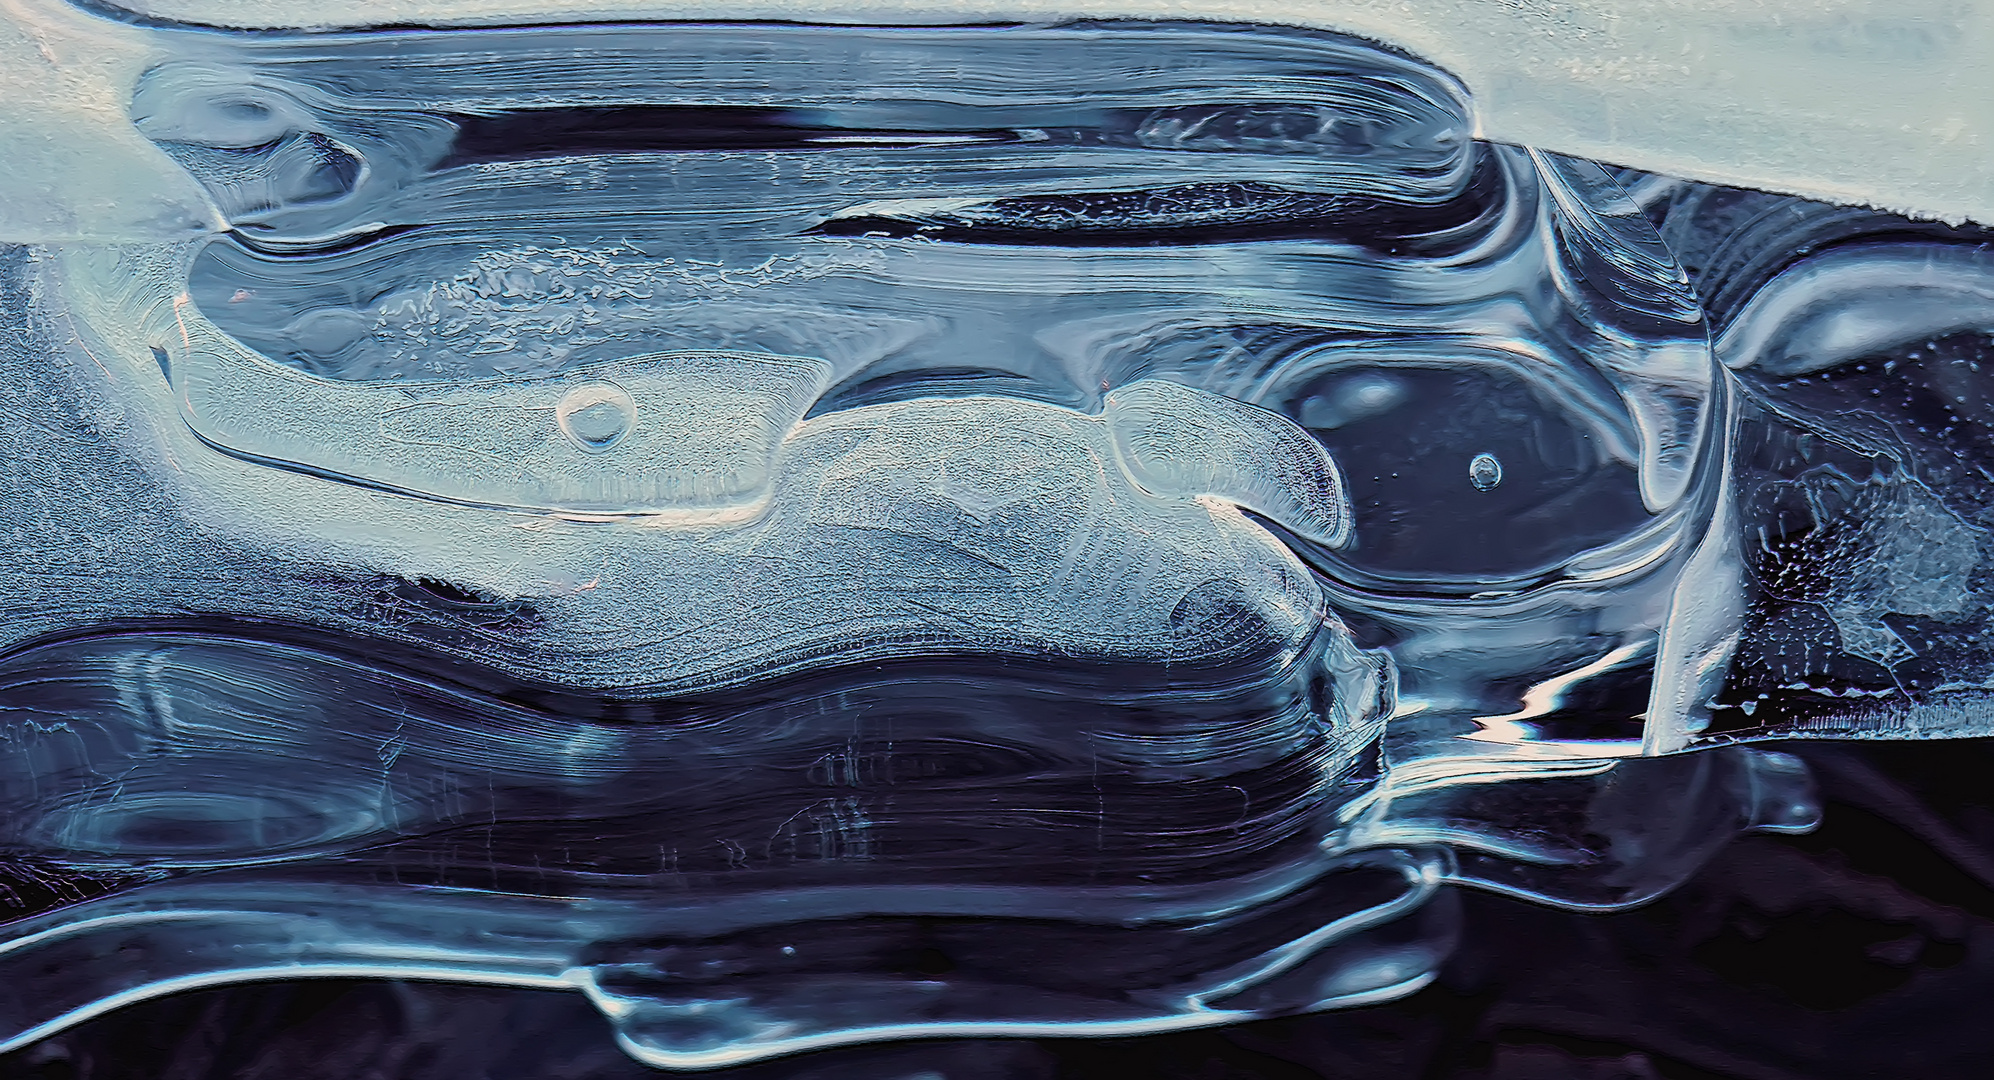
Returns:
point(814, 534)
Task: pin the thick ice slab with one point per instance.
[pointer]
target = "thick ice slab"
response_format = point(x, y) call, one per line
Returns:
point(720, 517)
point(1859, 101)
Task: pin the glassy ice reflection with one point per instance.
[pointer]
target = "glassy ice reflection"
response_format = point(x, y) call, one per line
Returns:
point(814, 534)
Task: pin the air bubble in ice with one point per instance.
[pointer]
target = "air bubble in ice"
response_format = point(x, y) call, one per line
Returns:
point(1485, 472)
point(596, 415)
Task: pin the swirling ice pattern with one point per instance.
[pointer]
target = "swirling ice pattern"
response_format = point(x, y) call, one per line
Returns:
point(813, 534)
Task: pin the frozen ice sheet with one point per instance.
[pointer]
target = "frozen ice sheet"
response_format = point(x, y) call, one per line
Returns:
point(820, 533)
point(1857, 101)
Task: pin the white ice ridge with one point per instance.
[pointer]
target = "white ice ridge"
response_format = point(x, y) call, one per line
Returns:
point(1174, 440)
point(686, 433)
point(1877, 102)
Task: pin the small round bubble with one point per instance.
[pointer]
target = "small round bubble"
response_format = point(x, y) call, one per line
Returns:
point(1485, 472)
point(596, 416)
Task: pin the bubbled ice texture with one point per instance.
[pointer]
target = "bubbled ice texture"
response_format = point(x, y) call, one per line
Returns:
point(718, 517)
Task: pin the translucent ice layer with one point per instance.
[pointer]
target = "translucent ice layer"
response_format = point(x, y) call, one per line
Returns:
point(1861, 345)
point(809, 534)
point(1863, 101)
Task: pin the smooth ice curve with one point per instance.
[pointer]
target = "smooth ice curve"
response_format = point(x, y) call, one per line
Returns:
point(1706, 90)
point(774, 539)
point(1128, 510)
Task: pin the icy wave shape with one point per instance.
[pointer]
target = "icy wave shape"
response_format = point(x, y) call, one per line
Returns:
point(816, 534)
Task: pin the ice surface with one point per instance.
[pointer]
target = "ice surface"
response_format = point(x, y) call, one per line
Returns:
point(1763, 95)
point(808, 534)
